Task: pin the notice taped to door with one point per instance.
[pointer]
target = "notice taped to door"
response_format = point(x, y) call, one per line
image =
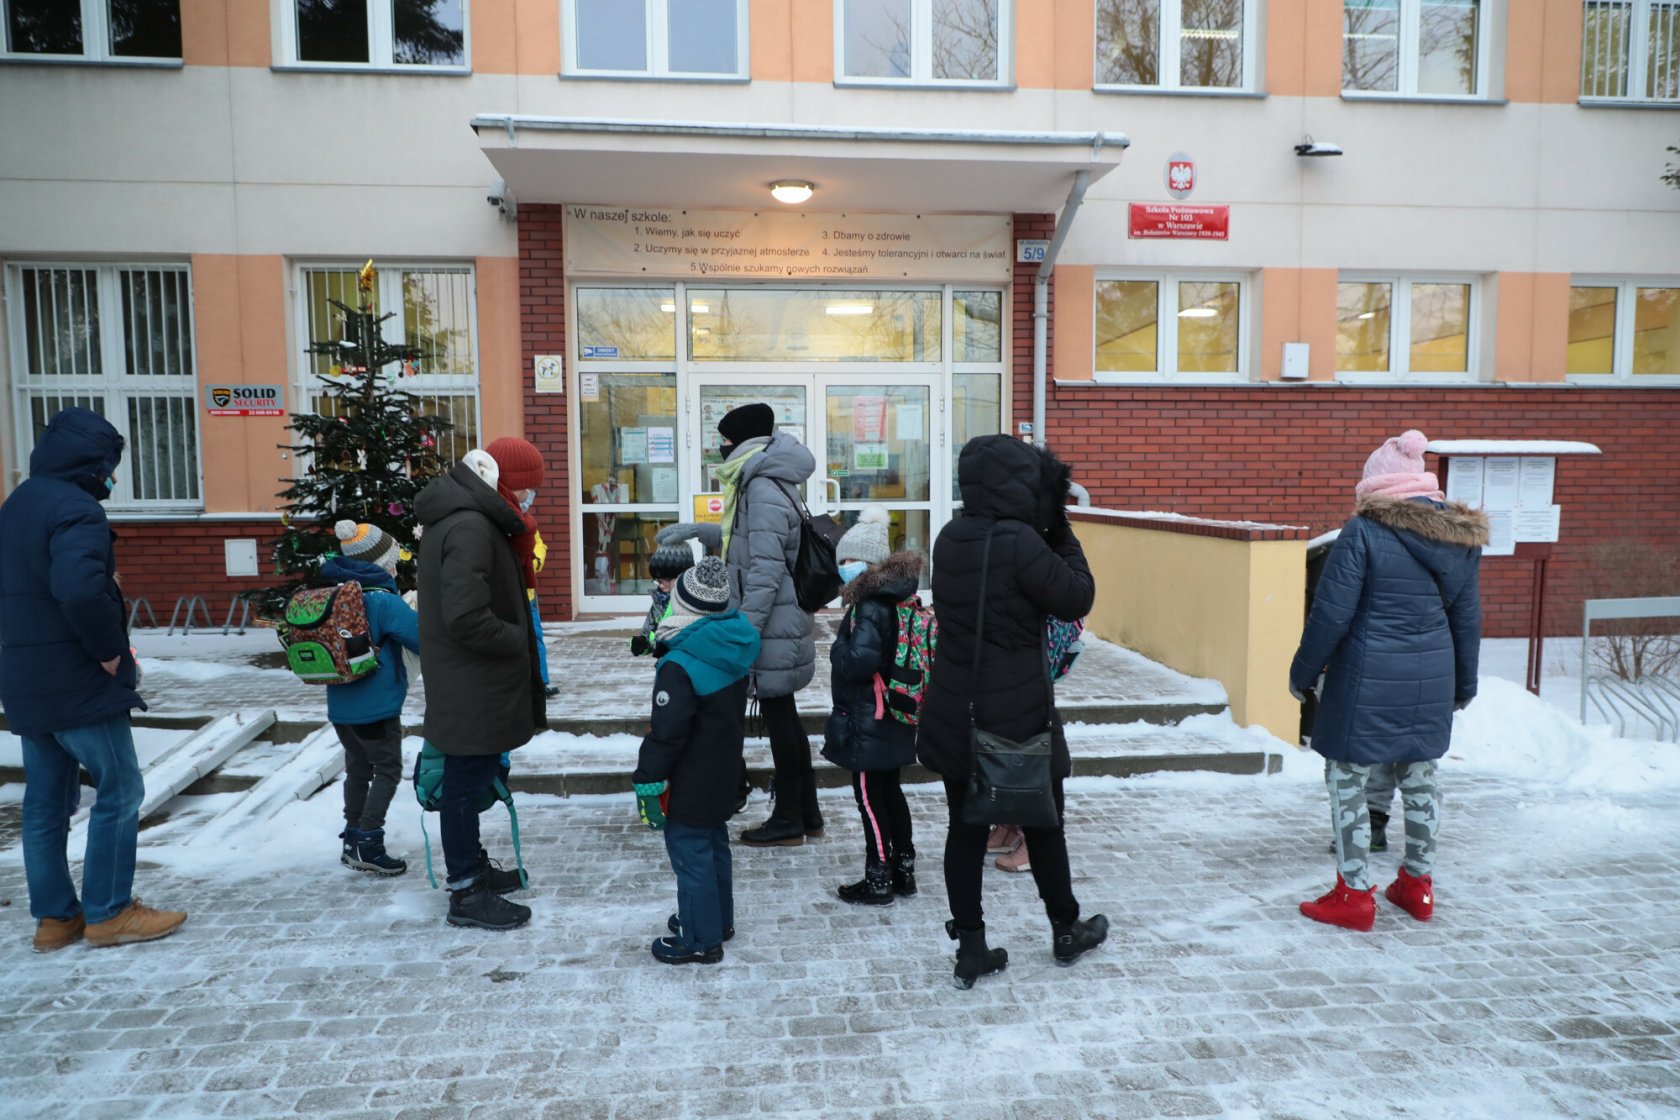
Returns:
point(794, 245)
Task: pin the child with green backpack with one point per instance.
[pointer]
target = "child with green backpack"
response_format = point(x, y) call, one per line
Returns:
point(881, 653)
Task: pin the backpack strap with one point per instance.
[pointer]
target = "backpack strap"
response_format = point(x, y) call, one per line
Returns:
point(506, 798)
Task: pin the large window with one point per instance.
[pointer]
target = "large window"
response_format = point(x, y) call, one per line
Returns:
point(1172, 44)
point(1185, 327)
point(399, 34)
point(1414, 48)
point(813, 325)
point(438, 318)
point(1394, 327)
point(922, 42)
point(1626, 329)
point(1630, 50)
point(92, 30)
point(116, 339)
point(657, 38)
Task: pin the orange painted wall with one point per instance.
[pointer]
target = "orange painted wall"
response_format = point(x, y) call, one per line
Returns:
point(1298, 305)
point(239, 320)
point(1303, 48)
point(810, 42)
point(225, 33)
point(1072, 321)
point(501, 376)
point(537, 36)
point(770, 40)
point(1532, 327)
point(1561, 75)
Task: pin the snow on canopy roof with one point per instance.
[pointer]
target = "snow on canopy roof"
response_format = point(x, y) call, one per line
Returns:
point(1511, 447)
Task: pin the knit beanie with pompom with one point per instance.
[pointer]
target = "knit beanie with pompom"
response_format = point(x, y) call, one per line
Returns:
point(1395, 470)
point(867, 540)
point(367, 542)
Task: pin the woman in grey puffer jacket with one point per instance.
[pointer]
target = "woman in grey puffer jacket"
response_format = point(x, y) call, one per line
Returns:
point(762, 474)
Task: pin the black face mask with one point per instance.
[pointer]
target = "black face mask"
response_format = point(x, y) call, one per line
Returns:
point(726, 450)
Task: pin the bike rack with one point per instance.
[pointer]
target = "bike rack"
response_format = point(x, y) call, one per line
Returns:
point(243, 606)
point(134, 608)
point(191, 604)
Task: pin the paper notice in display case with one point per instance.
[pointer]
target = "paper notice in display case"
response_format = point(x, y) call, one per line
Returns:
point(869, 456)
point(1540, 525)
point(1464, 480)
point(1535, 476)
point(664, 485)
point(1500, 484)
point(632, 446)
point(909, 427)
point(661, 445)
point(1502, 539)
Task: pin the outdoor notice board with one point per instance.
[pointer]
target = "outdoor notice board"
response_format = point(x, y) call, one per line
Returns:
point(1516, 492)
point(782, 244)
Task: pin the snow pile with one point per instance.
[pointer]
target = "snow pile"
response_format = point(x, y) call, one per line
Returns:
point(1510, 732)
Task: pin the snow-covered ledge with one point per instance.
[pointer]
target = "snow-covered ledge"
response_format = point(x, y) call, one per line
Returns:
point(1211, 598)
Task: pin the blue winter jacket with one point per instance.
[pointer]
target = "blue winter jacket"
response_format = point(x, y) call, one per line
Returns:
point(61, 612)
point(394, 627)
point(1395, 625)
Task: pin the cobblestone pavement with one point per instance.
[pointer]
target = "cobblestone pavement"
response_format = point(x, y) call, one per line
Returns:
point(1547, 985)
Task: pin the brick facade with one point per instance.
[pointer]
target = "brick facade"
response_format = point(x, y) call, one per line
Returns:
point(162, 561)
point(542, 328)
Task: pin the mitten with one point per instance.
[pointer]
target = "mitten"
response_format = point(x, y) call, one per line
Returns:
point(1300, 696)
point(650, 803)
point(710, 536)
point(639, 645)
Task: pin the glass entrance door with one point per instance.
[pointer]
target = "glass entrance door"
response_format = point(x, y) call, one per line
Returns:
point(875, 442)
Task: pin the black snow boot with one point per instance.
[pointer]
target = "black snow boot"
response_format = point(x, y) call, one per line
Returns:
point(904, 873)
point(810, 808)
point(365, 851)
point(482, 908)
point(874, 889)
point(497, 878)
point(1076, 938)
point(1379, 832)
point(974, 960)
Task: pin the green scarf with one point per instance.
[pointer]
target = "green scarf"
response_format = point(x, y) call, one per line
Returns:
point(729, 473)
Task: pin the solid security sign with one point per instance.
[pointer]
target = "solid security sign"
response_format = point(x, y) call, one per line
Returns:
point(245, 400)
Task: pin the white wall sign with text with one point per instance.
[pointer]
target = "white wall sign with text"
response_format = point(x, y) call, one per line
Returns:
point(245, 400)
point(696, 244)
point(550, 373)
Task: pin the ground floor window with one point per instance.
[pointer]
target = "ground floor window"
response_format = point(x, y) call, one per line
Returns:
point(116, 339)
point(437, 316)
point(1188, 327)
point(1403, 326)
point(1625, 329)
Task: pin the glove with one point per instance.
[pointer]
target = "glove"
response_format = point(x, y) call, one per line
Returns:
point(709, 535)
point(639, 645)
point(1460, 705)
point(651, 802)
point(1300, 696)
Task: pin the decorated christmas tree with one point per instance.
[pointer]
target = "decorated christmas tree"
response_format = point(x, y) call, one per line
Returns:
point(366, 449)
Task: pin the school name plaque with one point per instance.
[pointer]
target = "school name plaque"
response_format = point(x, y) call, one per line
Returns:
point(787, 245)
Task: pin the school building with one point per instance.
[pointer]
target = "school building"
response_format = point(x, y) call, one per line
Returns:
point(1213, 251)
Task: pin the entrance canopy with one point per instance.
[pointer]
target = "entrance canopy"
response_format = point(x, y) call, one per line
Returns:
point(731, 166)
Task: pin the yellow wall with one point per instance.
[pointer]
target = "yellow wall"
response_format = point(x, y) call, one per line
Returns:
point(1209, 607)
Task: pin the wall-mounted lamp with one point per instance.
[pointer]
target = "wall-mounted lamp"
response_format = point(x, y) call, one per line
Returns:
point(791, 191)
point(1310, 147)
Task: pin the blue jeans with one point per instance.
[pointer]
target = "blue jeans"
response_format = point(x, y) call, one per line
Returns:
point(705, 882)
point(52, 790)
point(542, 650)
point(465, 780)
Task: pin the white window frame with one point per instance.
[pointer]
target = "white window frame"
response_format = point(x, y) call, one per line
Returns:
point(1170, 54)
point(1166, 329)
point(657, 50)
point(921, 54)
point(381, 43)
point(390, 298)
point(1621, 348)
point(96, 40)
point(1411, 34)
point(1400, 330)
point(1635, 65)
point(113, 385)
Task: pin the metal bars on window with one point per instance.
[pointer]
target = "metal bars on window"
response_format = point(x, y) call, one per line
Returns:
point(1631, 49)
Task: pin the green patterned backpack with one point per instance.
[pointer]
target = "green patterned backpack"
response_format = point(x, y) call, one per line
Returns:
point(906, 679)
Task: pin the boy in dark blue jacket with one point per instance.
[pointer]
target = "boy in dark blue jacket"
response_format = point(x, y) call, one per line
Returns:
point(689, 768)
point(367, 714)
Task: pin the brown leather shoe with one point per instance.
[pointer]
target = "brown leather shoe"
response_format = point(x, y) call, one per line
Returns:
point(53, 934)
point(136, 923)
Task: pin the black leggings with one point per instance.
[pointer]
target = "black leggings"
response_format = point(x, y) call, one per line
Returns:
point(790, 751)
point(965, 863)
point(886, 815)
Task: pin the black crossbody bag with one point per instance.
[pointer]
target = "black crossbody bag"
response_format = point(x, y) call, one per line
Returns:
point(1009, 782)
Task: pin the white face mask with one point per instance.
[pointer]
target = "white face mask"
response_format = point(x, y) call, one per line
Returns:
point(527, 500)
point(852, 569)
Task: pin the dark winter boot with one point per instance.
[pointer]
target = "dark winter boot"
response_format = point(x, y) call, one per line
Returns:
point(874, 889)
point(498, 879)
point(1076, 938)
point(1379, 831)
point(365, 851)
point(810, 809)
point(482, 908)
point(904, 874)
point(974, 960)
point(784, 829)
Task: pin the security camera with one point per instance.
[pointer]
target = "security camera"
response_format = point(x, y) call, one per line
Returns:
point(1317, 148)
point(498, 192)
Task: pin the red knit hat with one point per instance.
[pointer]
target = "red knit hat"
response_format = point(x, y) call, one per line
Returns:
point(520, 463)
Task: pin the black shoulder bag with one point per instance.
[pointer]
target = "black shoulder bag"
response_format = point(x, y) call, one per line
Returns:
point(1009, 782)
point(816, 573)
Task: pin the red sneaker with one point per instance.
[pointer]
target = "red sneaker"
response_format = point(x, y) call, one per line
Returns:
point(1414, 895)
point(1344, 907)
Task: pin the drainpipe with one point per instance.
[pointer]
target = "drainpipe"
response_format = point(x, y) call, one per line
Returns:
point(1041, 298)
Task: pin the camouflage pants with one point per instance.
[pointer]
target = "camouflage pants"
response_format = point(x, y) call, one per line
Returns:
point(1350, 818)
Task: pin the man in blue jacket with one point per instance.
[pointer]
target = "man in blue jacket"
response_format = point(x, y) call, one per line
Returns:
point(68, 682)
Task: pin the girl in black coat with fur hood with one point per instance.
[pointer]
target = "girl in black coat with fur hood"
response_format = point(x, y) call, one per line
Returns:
point(862, 735)
point(1015, 494)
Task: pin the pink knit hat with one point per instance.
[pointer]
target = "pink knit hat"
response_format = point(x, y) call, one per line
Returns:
point(1395, 470)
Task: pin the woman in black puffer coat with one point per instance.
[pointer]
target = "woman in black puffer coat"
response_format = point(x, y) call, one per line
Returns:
point(1015, 493)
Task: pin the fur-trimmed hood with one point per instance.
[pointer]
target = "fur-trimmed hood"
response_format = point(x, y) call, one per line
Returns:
point(896, 576)
point(1449, 523)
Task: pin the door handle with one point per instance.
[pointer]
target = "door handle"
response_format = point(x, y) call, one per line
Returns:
point(834, 482)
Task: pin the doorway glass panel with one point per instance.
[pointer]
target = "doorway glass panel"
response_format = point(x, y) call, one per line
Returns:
point(878, 442)
point(813, 325)
point(787, 401)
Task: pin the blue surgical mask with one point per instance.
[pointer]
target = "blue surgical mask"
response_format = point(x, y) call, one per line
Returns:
point(525, 502)
point(110, 483)
point(852, 569)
